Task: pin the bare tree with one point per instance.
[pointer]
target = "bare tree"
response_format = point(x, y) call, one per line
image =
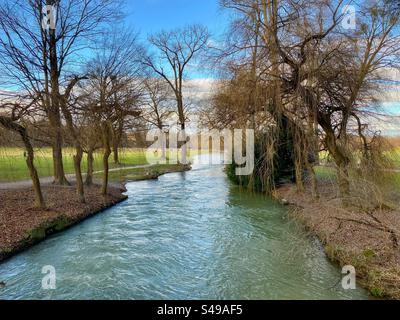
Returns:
point(91, 136)
point(10, 119)
point(67, 110)
point(37, 60)
point(174, 51)
point(112, 89)
point(157, 107)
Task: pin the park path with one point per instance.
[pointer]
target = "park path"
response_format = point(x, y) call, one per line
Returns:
point(49, 180)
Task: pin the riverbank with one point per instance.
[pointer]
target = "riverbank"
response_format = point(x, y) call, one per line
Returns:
point(22, 226)
point(369, 241)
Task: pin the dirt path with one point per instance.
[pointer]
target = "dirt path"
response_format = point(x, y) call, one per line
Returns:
point(49, 180)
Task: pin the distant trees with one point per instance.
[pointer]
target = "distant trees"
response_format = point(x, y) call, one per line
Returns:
point(174, 50)
point(157, 107)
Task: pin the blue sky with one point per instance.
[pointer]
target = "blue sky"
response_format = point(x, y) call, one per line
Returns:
point(148, 16)
point(152, 16)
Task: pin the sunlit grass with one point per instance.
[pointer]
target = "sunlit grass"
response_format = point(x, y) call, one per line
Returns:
point(13, 166)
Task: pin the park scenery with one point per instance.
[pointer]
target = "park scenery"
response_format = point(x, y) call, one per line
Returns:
point(197, 150)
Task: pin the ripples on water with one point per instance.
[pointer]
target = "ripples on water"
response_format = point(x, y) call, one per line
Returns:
point(189, 235)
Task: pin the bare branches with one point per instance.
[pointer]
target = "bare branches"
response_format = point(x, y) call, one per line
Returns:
point(174, 51)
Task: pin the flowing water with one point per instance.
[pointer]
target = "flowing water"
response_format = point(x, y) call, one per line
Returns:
point(189, 235)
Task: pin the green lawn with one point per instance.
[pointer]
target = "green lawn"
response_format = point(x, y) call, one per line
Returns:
point(13, 166)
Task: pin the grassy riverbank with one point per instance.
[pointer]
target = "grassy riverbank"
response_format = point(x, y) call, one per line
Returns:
point(22, 226)
point(367, 240)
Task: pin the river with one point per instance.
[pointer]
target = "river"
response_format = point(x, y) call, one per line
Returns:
point(190, 235)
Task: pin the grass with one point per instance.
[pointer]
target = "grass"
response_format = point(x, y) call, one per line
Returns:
point(325, 173)
point(13, 166)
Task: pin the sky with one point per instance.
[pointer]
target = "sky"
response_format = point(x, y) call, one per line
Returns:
point(149, 16)
point(152, 16)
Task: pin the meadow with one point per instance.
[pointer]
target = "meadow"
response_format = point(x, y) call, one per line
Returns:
point(13, 166)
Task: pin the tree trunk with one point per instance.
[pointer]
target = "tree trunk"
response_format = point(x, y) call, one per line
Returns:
point(106, 156)
point(184, 146)
point(116, 139)
point(89, 176)
point(79, 151)
point(78, 173)
point(299, 176)
point(10, 125)
point(58, 166)
point(116, 152)
point(314, 181)
point(340, 157)
point(54, 112)
point(181, 113)
point(344, 183)
point(39, 201)
point(163, 145)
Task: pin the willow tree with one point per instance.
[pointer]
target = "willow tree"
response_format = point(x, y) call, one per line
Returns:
point(334, 77)
point(251, 49)
point(321, 77)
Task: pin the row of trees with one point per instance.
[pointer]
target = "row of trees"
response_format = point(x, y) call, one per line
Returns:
point(86, 81)
point(305, 82)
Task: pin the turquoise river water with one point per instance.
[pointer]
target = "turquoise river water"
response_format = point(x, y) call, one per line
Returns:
point(188, 235)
